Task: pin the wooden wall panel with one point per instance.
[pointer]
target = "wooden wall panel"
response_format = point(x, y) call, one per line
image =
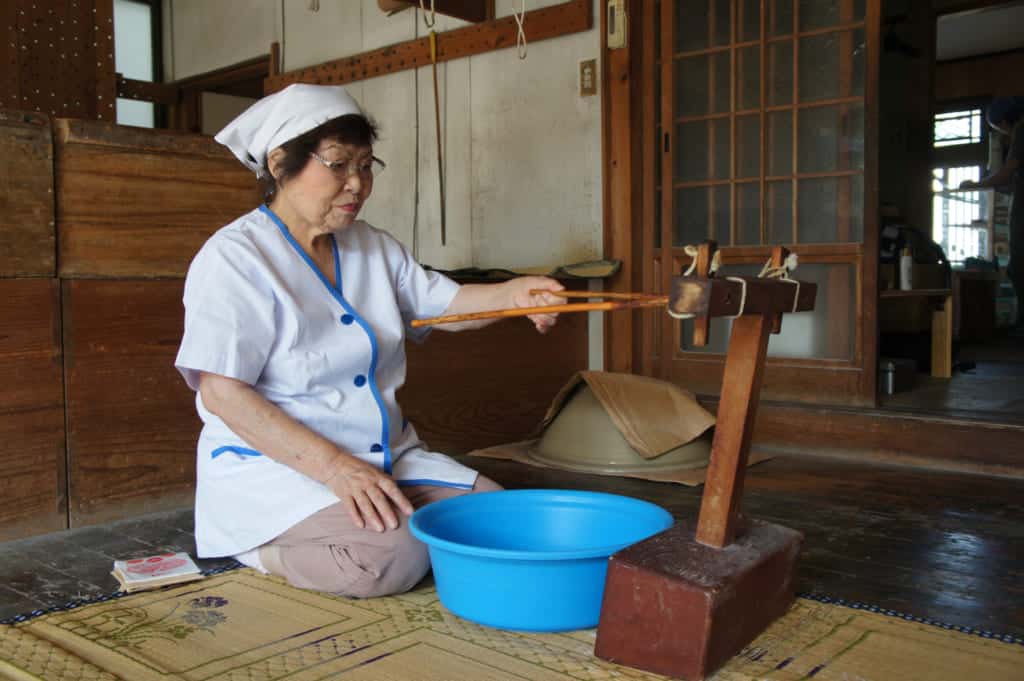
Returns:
point(31, 409)
point(132, 425)
point(139, 203)
point(58, 57)
point(27, 237)
point(979, 76)
point(480, 388)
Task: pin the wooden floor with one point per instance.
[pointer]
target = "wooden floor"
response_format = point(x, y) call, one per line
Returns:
point(933, 545)
point(987, 382)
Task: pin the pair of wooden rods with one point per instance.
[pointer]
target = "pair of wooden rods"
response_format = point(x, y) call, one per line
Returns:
point(621, 301)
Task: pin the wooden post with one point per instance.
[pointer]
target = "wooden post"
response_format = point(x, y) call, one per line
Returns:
point(702, 325)
point(737, 411)
point(779, 255)
point(942, 337)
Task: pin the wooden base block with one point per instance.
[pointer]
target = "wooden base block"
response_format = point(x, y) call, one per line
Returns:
point(674, 606)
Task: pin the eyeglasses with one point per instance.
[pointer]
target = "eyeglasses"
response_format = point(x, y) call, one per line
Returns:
point(370, 167)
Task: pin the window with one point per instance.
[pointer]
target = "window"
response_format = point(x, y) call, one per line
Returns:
point(958, 127)
point(960, 221)
point(136, 55)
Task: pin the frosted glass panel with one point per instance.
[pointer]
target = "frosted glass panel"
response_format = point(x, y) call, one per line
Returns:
point(721, 217)
point(702, 84)
point(748, 214)
point(748, 78)
point(693, 214)
point(702, 150)
point(816, 14)
point(831, 138)
point(749, 20)
point(830, 209)
point(701, 213)
point(780, 17)
point(823, 333)
point(780, 73)
point(780, 143)
point(711, 30)
point(778, 212)
point(832, 65)
point(748, 146)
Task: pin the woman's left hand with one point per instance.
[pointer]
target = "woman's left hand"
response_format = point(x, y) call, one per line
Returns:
point(519, 290)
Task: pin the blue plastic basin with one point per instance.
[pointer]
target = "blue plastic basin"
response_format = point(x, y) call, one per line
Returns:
point(530, 560)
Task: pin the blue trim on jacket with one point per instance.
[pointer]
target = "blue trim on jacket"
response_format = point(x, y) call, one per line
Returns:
point(434, 483)
point(241, 451)
point(385, 440)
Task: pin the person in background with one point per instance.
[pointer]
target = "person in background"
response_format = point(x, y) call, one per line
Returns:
point(296, 316)
point(1006, 115)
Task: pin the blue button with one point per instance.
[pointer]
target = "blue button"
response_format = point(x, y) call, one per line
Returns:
point(376, 448)
point(347, 319)
point(360, 381)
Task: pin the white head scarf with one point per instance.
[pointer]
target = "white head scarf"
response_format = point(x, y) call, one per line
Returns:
point(281, 117)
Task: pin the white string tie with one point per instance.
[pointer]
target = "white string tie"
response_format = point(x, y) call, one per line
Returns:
point(432, 19)
point(782, 274)
point(743, 295)
point(521, 34)
point(692, 251)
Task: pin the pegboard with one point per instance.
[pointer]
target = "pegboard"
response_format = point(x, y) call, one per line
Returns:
point(550, 22)
point(58, 57)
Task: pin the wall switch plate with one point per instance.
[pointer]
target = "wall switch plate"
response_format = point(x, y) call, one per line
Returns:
point(588, 77)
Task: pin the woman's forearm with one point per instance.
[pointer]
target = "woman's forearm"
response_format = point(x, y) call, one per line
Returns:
point(268, 428)
point(514, 293)
point(477, 298)
point(1001, 176)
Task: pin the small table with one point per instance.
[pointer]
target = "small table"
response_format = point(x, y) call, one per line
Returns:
point(942, 324)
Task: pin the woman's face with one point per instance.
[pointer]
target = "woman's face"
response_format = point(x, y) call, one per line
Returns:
point(333, 186)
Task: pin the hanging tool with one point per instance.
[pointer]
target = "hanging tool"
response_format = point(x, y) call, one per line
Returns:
point(430, 21)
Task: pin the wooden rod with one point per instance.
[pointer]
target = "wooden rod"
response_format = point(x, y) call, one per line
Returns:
point(596, 294)
point(653, 301)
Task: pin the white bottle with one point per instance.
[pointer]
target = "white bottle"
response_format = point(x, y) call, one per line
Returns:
point(906, 270)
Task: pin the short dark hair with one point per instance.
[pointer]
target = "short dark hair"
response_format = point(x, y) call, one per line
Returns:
point(356, 129)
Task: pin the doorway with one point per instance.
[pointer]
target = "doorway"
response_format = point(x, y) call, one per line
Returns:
point(959, 240)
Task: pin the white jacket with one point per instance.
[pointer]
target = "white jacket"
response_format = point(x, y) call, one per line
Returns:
point(258, 310)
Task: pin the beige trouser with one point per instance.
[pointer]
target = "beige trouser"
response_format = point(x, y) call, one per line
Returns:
point(327, 552)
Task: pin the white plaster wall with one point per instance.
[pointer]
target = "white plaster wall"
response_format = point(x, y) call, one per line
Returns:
point(521, 148)
point(203, 35)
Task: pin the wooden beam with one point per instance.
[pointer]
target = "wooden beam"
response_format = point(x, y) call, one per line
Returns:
point(146, 91)
point(550, 22)
point(728, 297)
point(467, 10)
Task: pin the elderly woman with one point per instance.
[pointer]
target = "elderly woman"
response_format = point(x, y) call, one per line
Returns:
point(296, 316)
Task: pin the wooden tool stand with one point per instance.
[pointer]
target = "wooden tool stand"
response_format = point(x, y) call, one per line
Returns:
point(683, 602)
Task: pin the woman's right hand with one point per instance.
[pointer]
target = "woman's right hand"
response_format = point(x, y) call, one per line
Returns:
point(370, 496)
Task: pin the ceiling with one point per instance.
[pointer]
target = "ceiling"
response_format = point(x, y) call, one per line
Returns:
point(980, 31)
